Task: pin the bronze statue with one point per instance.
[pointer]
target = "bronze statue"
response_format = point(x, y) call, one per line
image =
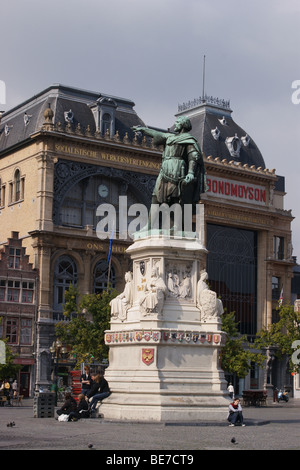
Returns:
point(182, 175)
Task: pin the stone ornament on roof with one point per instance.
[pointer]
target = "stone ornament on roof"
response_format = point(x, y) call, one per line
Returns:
point(204, 99)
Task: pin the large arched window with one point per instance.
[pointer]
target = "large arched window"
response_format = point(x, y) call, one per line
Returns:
point(82, 200)
point(232, 272)
point(65, 273)
point(101, 273)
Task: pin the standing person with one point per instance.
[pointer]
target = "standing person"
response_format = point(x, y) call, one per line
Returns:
point(230, 389)
point(15, 388)
point(235, 413)
point(102, 392)
point(7, 391)
point(81, 410)
point(86, 380)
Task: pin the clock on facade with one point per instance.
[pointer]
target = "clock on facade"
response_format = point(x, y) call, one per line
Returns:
point(102, 190)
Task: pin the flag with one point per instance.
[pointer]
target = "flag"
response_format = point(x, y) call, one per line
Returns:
point(110, 245)
point(281, 297)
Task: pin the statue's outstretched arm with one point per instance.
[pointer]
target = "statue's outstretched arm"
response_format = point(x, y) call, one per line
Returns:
point(146, 130)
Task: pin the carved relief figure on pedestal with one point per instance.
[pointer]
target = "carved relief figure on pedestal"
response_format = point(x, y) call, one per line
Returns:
point(178, 279)
point(209, 305)
point(154, 294)
point(179, 288)
point(120, 304)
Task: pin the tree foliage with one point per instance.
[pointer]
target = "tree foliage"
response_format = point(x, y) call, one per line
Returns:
point(84, 333)
point(9, 369)
point(237, 354)
point(282, 334)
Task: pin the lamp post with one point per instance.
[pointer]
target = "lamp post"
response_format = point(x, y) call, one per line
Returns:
point(57, 351)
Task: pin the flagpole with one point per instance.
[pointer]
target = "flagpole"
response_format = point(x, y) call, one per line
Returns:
point(109, 256)
point(203, 79)
point(108, 274)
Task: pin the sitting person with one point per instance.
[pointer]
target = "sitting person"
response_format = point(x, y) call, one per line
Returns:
point(98, 392)
point(94, 385)
point(68, 406)
point(235, 413)
point(81, 410)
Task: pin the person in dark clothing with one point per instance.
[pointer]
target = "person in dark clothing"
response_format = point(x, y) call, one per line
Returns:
point(95, 384)
point(99, 391)
point(68, 406)
point(81, 410)
point(86, 380)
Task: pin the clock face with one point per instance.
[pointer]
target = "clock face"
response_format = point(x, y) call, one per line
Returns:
point(103, 190)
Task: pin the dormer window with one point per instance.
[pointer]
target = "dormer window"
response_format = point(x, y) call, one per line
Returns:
point(27, 118)
point(234, 146)
point(104, 111)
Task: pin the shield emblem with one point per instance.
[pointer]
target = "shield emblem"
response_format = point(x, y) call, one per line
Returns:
point(209, 303)
point(147, 335)
point(108, 337)
point(195, 337)
point(209, 338)
point(142, 267)
point(202, 338)
point(173, 336)
point(166, 335)
point(148, 356)
point(180, 336)
point(216, 339)
point(155, 335)
point(138, 336)
point(188, 337)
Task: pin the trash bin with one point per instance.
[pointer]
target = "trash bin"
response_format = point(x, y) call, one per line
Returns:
point(43, 405)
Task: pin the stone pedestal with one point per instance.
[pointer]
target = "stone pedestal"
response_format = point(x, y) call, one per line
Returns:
point(164, 358)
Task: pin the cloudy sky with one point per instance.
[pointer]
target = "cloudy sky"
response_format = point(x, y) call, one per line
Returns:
point(151, 51)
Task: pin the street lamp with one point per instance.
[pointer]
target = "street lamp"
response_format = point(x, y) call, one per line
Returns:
point(57, 350)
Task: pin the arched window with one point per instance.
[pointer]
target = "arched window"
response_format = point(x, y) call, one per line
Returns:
point(80, 204)
point(101, 273)
point(232, 272)
point(106, 123)
point(65, 273)
point(17, 183)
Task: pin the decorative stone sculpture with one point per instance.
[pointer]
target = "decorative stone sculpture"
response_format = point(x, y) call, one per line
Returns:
point(180, 288)
point(209, 305)
point(120, 304)
point(154, 295)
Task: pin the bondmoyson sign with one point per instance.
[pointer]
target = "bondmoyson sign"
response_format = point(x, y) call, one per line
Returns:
point(236, 191)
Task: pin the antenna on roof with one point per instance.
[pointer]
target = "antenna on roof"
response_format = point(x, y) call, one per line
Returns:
point(203, 79)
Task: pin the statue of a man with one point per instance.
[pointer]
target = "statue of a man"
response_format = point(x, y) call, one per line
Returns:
point(207, 302)
point(182, 175)
point(120, 304)
point(154, 294)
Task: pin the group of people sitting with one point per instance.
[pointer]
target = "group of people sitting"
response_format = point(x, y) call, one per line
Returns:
point(94, 388)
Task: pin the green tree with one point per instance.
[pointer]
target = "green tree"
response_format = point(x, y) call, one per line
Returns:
point(282, 335)
point(84, 333)
point(237, 354)
point(9, 369)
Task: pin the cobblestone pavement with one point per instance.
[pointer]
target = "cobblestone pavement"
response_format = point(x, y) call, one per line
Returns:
point(272, 427)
